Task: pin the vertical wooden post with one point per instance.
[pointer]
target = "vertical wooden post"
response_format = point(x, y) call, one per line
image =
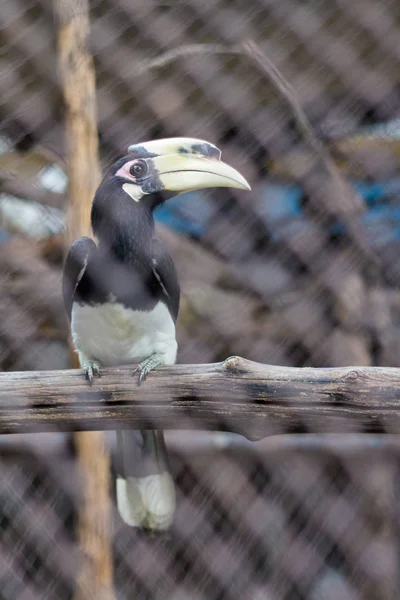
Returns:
point(78, 81)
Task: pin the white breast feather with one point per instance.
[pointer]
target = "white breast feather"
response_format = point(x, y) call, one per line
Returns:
point(112, 334)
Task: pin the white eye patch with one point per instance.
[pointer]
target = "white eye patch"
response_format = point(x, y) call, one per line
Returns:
point(133, 190)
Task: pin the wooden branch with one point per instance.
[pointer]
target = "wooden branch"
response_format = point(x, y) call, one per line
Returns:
point(237, 395)
point(330, 189)
point(28, 190)
point(166, 58)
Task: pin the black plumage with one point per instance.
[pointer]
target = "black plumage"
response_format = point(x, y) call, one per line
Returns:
point(129, 265)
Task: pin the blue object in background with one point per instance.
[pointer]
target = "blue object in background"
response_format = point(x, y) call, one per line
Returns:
point(277, 205)
point(276, 202)
point(4, 236)
point(188, 213)
point(377, 190)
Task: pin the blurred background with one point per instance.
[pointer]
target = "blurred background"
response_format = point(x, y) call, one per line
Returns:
point(302, 271)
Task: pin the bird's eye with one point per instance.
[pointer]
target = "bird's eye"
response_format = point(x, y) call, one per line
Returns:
point(138, 168)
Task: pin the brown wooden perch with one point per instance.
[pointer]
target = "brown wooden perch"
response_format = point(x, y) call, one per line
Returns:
point(236, 395)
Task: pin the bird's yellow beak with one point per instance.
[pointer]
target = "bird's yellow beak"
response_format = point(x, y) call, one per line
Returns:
point(185, 172)
point(186, 164)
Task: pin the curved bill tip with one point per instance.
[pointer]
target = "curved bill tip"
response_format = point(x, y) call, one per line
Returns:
point(246, 185)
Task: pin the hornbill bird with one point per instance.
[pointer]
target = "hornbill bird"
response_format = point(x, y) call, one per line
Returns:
point(122, 297)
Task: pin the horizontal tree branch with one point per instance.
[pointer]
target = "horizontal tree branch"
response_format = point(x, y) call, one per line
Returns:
point(28, 190)
point(236, 395)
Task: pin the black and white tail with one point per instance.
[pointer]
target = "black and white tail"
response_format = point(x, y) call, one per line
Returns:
point(145, 488)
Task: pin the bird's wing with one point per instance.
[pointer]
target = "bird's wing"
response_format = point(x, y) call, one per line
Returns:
point(74, 268)
point(165, 272)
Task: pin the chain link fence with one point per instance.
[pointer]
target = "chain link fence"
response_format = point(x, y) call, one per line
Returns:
point(302, 271)
point(295, 517)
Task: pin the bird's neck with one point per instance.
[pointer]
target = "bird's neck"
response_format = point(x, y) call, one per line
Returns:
point(124, 230)
point(131, 241)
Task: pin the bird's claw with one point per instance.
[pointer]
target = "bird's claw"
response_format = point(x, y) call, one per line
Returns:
point(91, 369)
point(144, 368)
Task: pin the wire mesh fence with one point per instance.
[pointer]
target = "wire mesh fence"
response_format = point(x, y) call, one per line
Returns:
point(303, 99)
point(294, 518)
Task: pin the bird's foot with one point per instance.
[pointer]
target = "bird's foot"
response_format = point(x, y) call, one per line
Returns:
point(90, 369)
point(144, 368)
